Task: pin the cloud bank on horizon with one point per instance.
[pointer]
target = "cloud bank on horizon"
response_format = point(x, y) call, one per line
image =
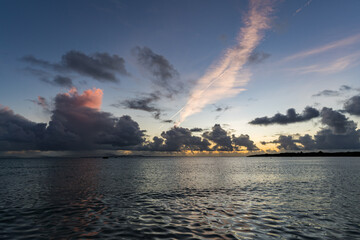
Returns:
point(225, 78)
point(339, 133)
point(77, 123)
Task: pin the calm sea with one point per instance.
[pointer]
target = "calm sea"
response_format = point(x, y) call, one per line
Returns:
point(180, 198)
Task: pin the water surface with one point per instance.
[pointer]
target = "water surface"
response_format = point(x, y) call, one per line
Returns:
point(186, 198)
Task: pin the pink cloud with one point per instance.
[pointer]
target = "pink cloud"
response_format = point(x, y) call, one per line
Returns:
point(91, 98)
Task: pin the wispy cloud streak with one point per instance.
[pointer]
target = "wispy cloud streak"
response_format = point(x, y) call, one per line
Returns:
point(301, 8)
point(330, 46)
point(226, 77)
point(338, 65)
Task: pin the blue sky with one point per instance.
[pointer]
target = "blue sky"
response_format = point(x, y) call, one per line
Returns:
point(308, 47)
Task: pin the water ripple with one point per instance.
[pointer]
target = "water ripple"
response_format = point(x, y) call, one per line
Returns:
point(92, 198)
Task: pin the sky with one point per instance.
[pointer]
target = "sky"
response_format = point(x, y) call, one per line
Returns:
point(179, 77)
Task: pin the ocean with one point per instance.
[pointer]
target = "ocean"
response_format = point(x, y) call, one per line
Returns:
point(180, 198)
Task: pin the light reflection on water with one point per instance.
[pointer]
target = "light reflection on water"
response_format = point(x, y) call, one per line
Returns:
point(149, 198)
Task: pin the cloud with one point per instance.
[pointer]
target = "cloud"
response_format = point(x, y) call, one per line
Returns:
point(326, 139)
point(327, 93)
point(220, 137)
point(290, 117)
point(196, 129)
point(91, 98)
point(286, 143)
point(301, 8)
point(221, 108)
point(339, 133)
point(334, 93)
point(59, 81)
point(181, 139)
point(331, 67)
point(257, 57)
point(167, 121)
point(352, 105)
point(42, 63)
point(99, 66)
point(345, 88)
point(308, 142)
point(224, 78)
point(76, 124)
point(18, 133)
point(42, 102)
point(330, 46)
point(225, 142)
point(177, 139)
point(244, 141)
point(323, 140)
point(336, 121)
point(163, 72)
point(143, 104)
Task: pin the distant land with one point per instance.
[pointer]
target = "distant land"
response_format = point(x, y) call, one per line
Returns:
point(310, 154)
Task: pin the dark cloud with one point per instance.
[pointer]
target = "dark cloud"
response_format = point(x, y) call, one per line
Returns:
point(290, 117)
point(327, 93)
point(334, 93)
point(181, 139)
point(345, 88)
point(323, 140)
point(219, 108)
point(42, 63)
point(163, 72)
point(157, 144)
point(339, 133)
point(326, 139)
point(257, 57)
point(336, 121)
point(307, 142)
point(76, 124)
point(42, 102)
point(196, 129)
point(177, 139)
point(145, 103)
point(224, 142)
point(286, 143)
point(18, 133)
point(167, 121)
point(60, 81)
point(244, 141)
point(99, 66)
point(220, 137)
point(352, 105)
